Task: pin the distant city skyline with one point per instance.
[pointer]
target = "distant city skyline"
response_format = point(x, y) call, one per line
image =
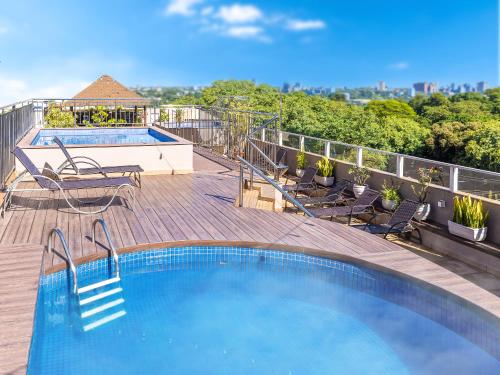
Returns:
point(194, 42)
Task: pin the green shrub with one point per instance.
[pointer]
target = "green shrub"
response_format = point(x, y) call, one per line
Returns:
point(469, 212)
point(391, 193)
point(301, 160)
point(57, 118)
point(325, 167)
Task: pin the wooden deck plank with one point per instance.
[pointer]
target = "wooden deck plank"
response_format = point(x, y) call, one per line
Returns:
point(195, 207)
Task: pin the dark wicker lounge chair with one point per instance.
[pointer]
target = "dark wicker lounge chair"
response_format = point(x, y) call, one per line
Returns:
point(363, 204)
point(333, 195)
point(399, 223)
point(49, 180)
point(72, 163)
point(305, 183)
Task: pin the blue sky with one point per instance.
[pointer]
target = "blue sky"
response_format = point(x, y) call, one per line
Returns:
point(53, 48)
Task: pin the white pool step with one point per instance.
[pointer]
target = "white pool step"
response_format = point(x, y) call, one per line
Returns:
point(104, 320)
point(99, 296)
point(102, 308)
point(98, 285)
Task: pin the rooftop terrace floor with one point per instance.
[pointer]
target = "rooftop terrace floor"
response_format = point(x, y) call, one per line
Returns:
point(187, 209)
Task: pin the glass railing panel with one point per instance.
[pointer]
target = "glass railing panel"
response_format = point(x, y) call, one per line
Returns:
point(380, 161)
point(343, 152)
point(411, 167)
point(479, 183)
point(291, 140)
point(314, 146)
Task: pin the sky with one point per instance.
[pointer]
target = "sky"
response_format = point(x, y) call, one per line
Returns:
point(54, 48)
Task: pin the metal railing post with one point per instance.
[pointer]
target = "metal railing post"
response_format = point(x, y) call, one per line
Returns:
point(453, 178)
point(263, 135)
point(301, 143)
point(327, 149)
point(240, 202)
point(280, 138)
point(400, 161)
point(359, 156)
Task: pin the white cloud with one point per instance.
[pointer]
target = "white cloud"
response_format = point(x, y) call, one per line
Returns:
point(237, 13)
point(181, 7)
point(302, 25)
point(400, 65)
point(244, 32)
point(207, 11)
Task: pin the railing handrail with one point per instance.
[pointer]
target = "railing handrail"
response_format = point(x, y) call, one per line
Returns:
point(262, 153)
point(108, 237)
point(406, 156)
point(59, 233)
point(295, 202)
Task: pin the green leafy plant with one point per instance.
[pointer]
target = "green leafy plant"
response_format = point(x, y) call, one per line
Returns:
point(301, 160)
point(425, 177)
point(179, 114)
point(164, 115)
point(469, 212)
point(100, 117)
point(359, 174)
point(57, 118)
point(391, 193)
point(325, 167)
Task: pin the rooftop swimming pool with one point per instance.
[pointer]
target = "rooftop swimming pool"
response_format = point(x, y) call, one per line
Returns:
point(100, 136)
point(227, 310)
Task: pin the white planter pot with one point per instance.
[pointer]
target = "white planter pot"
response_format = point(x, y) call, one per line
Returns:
point(388, 204)
point(299, 172)
point(422, 212)
point(470, 234)
point(324, 181)
point(358, 189)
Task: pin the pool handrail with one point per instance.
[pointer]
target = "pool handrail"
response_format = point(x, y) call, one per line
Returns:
point(57, 232)
point(112, 248)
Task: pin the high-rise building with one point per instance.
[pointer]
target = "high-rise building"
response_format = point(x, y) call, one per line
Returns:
point(421, 88)
point(432, 88)
point(382, 86)
point(285, 88)
point(482, 86)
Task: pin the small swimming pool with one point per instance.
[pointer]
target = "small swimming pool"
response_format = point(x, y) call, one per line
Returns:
point(100, 136)
point(228, 310)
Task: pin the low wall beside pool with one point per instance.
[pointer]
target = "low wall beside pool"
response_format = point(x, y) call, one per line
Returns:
point(155, 150)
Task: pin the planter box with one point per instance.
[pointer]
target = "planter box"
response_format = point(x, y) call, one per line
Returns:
point(324, 181)
point(471, 234)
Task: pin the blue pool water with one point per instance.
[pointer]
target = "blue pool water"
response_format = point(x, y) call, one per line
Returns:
point(97, 136)
point(247, 311)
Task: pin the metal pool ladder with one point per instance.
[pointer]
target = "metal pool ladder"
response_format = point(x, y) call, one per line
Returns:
point(99, 303)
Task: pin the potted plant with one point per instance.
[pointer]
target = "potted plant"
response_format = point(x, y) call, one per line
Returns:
point(324, 176)
point(425, 178)
point(300, 163)
point(391, 197)
point(360, 175)
point(469, 219)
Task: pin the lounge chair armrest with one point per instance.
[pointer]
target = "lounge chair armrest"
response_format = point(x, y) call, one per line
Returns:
point(89, 161)
point(397, 224)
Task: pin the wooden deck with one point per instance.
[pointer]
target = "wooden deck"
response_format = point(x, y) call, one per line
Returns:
point(179, 209)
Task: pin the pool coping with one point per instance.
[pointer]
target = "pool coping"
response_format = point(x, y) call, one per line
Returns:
point(475, 297)
point(26, 141)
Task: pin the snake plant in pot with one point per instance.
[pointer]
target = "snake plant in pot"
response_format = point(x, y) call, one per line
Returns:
point(324, 176)
point(300, 163)
point(360, 175)
point(469, 219)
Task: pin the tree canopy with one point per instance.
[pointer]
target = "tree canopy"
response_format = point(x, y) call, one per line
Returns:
point(463, 129)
